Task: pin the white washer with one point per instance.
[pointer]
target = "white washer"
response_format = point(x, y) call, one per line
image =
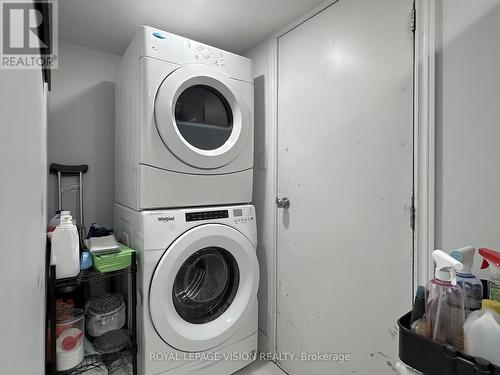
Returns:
point(197, 285)
point(184, 124)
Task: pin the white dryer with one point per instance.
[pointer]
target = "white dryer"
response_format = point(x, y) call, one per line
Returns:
point(197, 285)
point(184, 124)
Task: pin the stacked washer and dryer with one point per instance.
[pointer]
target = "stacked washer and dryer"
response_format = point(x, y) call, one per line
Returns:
point(183, 181)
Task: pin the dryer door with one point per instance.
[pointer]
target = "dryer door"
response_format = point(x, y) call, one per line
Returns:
point(201, 118)
point(203, 285)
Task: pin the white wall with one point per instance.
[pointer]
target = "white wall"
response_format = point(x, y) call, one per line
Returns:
point(23, 166)
point(261, 58)
point(81, 127)
point(468, 124)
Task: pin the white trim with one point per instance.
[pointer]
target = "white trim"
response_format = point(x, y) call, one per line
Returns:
point(425, 56)
point(272, 175)
point(299, 21)
point(262, 342)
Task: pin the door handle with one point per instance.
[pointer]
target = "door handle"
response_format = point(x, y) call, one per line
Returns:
point(283, 203)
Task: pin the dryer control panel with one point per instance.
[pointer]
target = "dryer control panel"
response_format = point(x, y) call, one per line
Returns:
point(198, 52)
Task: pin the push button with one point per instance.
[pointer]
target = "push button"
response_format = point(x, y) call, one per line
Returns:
point(205, 53)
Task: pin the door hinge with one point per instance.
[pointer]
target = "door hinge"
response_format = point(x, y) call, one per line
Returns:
point(413, 213)
point(413, 20)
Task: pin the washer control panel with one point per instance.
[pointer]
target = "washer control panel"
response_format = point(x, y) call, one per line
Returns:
point(242, 217)
point(162, 227)
point(238, 215)
point(207, 215)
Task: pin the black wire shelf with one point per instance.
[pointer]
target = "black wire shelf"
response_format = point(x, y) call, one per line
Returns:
point(123, 280)
point(92, 275)
point(100, 361)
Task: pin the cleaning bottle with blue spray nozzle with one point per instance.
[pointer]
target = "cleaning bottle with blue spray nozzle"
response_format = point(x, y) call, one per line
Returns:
point(445, 307)
point(471, 285)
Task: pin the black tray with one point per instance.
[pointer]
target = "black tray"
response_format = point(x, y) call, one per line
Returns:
point(431, 358)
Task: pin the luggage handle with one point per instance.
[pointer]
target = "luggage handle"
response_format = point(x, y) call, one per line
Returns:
point(69, 169)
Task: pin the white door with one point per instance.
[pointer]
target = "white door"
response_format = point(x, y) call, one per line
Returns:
point(201, 117)
point(346, 164)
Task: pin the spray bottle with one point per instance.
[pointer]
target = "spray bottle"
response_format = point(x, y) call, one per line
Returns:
point(445, 308)
point(471, 285)
point(491, 260)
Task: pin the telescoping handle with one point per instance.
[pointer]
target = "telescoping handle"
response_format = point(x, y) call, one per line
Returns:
point(70, 170)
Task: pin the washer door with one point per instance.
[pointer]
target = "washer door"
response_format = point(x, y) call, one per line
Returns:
point(200, 117)
point(202, 286)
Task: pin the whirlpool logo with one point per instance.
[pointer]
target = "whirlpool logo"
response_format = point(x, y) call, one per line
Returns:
point(165, 219)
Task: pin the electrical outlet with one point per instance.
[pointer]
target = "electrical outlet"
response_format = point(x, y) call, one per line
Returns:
point(261, 161)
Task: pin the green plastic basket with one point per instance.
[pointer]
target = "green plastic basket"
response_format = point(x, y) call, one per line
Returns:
point(115, 261)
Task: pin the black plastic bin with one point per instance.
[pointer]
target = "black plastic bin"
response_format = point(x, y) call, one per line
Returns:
point(431, 358)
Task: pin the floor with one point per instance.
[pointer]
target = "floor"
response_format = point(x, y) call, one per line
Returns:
point(261, 368)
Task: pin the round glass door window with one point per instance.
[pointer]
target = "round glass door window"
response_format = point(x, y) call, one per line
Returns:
point(206, 285)
point(203, 117)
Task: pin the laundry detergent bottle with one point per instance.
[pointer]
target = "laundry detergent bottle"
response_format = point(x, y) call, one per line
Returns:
point(65, 248)
point(445, 307)
point(482, 333)
point(471, 285)
point(491, 261)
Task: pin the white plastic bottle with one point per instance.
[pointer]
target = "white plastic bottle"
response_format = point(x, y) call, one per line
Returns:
point(65, 247)
point(55, 220)
point(482, 333)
